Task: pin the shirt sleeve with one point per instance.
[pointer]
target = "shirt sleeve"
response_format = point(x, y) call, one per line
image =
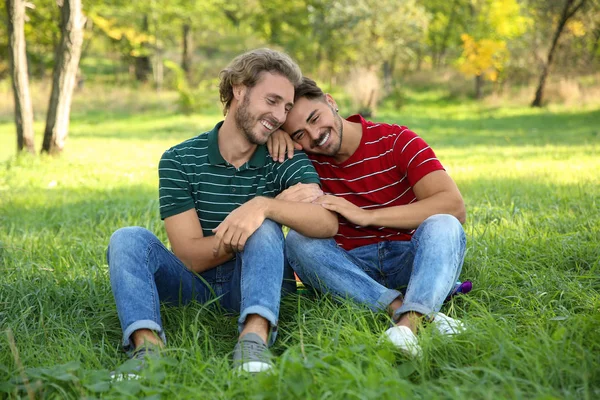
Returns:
point(174, 189)
point(297, 170)
point(414, 157)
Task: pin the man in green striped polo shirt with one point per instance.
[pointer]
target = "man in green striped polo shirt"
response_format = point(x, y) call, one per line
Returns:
point(218, 199)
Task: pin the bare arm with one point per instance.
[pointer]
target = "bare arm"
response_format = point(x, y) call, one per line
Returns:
point(304, 192)
point(436, 193)
point(190, 245)
point(306, 218)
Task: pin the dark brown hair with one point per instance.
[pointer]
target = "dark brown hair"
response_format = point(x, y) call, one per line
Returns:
point(309, 89)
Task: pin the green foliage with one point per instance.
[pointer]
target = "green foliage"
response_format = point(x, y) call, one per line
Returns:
point(494, 22)
point(533, 232)
point(190, 101)
point(187, 102)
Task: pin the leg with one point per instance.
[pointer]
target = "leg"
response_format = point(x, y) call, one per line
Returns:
point(144, 272)
point(322, 264)
point(256, 289)
point(439, 249)
point(256, 286)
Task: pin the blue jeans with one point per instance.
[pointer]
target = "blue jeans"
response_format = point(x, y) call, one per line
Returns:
point(427, 266)
point(144, 273)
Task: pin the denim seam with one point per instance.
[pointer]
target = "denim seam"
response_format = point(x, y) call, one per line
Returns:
point(149, 276)
point(386, 299)
point(414, 307)
point(141, 324)
point(242, 292)
point(263, 312)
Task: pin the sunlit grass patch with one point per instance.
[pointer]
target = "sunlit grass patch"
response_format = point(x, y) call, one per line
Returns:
point(531, 185)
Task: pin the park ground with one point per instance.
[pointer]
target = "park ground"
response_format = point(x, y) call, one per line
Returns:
point(531, 183)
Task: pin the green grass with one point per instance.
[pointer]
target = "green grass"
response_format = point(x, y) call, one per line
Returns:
point(531, 184)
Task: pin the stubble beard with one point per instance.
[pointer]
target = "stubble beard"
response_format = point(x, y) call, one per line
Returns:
point(245, 122)
point(339, 127)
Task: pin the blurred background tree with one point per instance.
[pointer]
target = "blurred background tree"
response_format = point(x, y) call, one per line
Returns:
point(366, 51)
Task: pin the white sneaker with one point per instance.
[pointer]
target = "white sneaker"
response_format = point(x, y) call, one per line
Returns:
point(446, 325)
point(403, 338)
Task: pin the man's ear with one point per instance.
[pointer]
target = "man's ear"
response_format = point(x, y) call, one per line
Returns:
point(239, 91)
point(331, 101)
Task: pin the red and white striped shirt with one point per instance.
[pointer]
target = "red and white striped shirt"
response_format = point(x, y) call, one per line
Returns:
point(389, 161)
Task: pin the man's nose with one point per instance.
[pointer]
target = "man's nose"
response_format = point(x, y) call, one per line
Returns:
point(313, 134)
point(280, 114)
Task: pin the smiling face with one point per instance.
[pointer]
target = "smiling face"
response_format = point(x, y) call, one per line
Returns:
point(263, 108)
point(316, 126)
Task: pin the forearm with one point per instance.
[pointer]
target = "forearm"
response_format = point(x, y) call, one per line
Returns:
point(306, 218)
point(412, 215)
point(198, 254)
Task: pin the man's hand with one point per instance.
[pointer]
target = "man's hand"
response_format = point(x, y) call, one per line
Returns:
point(302, 192)
point(235, 230)
point(279, 143)
point(352, 213)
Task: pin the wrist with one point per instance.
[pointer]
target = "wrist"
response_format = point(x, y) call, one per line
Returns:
point(264, 206)
point(371, 218)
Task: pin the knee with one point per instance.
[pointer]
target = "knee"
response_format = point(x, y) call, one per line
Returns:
point(444, 226)
point(295, 243)
point(128, 240)
point(269, 232)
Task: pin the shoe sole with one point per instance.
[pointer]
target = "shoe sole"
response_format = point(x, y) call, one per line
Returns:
point(124, 377)
point(254, 367)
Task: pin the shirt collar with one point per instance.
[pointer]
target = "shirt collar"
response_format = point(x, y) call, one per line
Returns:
point(214, 155)
point(258, 159)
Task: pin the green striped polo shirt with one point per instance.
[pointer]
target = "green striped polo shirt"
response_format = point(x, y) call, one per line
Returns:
point(193, 174)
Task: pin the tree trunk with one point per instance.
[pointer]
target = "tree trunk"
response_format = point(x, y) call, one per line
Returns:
point(595, 46)
point(159, 72)
point(142, 64)
point(19, 74)
point(66, 62)
point(478, 87)
point(444, 45)
point(388, 80)
point(186, 55)
point(567, 13)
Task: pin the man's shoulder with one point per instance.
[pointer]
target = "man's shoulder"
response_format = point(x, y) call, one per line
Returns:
point(194, 145)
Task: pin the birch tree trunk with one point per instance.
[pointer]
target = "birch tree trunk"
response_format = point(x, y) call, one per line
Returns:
point(20, 76)
point(66, 63)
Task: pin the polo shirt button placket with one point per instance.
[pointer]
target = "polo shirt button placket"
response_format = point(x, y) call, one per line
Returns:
point(232, 190)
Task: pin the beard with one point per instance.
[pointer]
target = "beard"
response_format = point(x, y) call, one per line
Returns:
point(245, 122)
point(334, 148)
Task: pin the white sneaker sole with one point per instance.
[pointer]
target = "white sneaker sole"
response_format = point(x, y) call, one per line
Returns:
point(254, 367)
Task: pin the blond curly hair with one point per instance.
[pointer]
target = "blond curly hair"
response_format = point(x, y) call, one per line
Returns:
point(246, 68)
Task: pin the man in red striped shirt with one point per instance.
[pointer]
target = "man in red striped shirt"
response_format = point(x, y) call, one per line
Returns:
point(400, 216)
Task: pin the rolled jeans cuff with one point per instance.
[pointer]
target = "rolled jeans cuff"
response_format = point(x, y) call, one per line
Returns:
point(266, 314)
point(386, 299)
point(137, 325)
point(413, 307)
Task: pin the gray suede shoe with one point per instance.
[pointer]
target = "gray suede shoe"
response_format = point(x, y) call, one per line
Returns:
point(251, 354)
point(132, 368)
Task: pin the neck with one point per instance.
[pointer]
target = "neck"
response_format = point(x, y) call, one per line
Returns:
point(233, 144)
point(352, 134)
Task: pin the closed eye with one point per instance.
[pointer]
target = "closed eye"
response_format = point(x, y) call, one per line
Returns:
point(298, 136)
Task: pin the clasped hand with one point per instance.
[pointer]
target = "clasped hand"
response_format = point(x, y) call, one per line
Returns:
point(239, 225)
point(352, 213)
